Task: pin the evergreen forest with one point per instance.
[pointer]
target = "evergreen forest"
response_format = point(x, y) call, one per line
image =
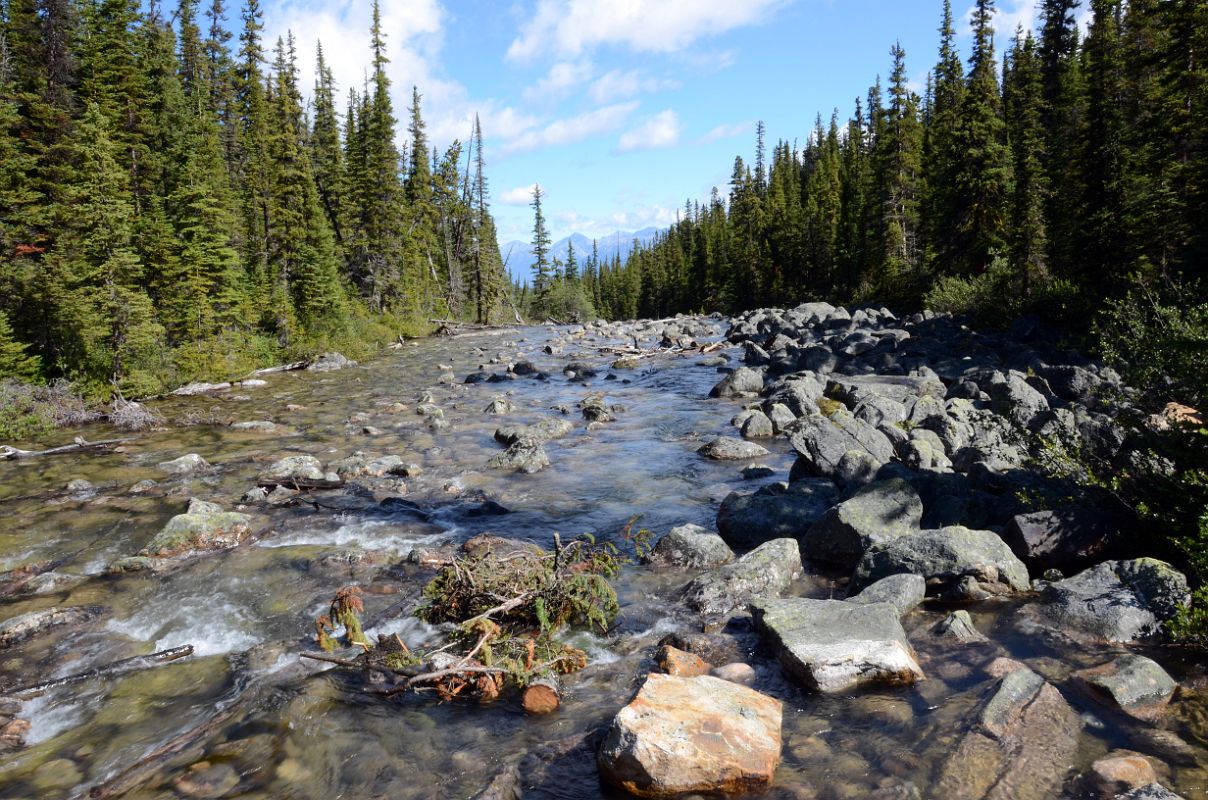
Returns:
point(171, 209)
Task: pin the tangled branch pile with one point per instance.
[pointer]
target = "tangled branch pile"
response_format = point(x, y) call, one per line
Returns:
point(504, 616)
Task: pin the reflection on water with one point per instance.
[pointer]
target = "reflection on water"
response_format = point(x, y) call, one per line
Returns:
point(296, 731)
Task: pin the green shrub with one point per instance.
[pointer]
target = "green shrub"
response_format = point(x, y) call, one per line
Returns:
point(28, 411)
point(997, 296)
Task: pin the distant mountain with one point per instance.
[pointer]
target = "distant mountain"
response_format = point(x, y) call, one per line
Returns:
point(519, 257)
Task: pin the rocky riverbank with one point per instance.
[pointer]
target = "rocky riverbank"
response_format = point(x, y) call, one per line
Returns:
point(869, 583)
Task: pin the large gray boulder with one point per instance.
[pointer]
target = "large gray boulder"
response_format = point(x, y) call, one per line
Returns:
point(764, 572)
point(877, 513)
point(1116, 601)
point(200, 529)
point(742, 382)
point(834, 645)
point(1133, 684)
point(904, 592)
point(328, 362)
point(691, 546)
point(698, 734)
point(1016, 400)
point(727, 448)
point(944, 557)
point(1067, 538)
point(775, 511)
point(1020, 748)
point(899, 388)
point(821, 441)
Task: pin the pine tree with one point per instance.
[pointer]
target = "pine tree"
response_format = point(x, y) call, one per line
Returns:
point(899, 184)
point(326, 153)
point(1062, 113)
point(571, 273)
point(1024, 101)
point(940, 155)
point(543, 274)
point(14, 361)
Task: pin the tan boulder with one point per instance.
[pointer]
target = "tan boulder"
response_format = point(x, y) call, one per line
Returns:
point(698, 734)
point(676, 662)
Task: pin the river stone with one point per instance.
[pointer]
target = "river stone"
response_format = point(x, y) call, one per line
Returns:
point(700, 734)
point(197, 506)
point(1068, 538)
point(823, 441)
point(189, 464)
point(209, 531)
point(904, 592)
point(766, 571)
point(328, 362)
point(742, 382)
point(1117, 601)
point(524, 455)
point(876, 514)
point(59, 774)
point(1120, 772)
point(680, 663)
point(499, 406)
point(775, 511)
point(728, 448)
point(543, 430)
point(691, 546)
point(758, 426)
point(204, 780)
point(1132, 683)
point(255, 426)
point(360, 465)
point(293, 468)
point(853, 390)
point(1016, 400)
point(957, 627)
point(1154, 791)
point(944, 557)
point(834, 645)
point(1020, 748)
point(31, 623)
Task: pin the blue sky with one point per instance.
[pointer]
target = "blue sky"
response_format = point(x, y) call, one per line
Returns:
point(622, 109)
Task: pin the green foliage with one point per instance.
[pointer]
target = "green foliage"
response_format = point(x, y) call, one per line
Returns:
point(997, 297)
point(28, 411)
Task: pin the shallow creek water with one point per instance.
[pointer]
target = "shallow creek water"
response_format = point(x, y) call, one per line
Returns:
point(288, 729)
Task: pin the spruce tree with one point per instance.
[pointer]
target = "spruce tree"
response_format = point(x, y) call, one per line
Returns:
point(1024, 101)
point(543, 274)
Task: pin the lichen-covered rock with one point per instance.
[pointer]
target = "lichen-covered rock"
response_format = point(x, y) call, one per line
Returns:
point(775, 511)
point(1020, 748)
point(691, 546)
point(681, 735)
point(944, 557)
point(523, 455)
point(189, 464)
point(834, 645)
point(205, 531)
point(822, 441)
point(764, 572)
point(876, 514)
point(1116, 601)
point(728, 448)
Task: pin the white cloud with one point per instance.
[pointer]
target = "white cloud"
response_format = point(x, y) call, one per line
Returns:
point(618, 85)
point(635, 219)
point(1014, 13)
point(661, 130)
point(562, 77)
point(572, 129)
point(729, 131)
point(571, 27)
point(520, 196)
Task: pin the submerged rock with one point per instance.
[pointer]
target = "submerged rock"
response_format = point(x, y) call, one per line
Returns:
point(327, 362)
point(189, 464)
point(1020, 748)
point(293, 468)
point(700, 734)
point(1133, 684)
point(775, 511)
point(957, 627)
point(764, 572)
point(727, 448)
point(876, 514)
point(23, 626)
point(691, 546)
point(945, 557)
point(834, 645)
point(1117, 601)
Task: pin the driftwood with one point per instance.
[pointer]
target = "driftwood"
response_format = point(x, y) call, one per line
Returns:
point(112, 669)
point(81, 445)
point(301, 484)
point(14, 580)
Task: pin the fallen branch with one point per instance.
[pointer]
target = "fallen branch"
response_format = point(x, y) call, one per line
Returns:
point(81, 445)
point(122, 667)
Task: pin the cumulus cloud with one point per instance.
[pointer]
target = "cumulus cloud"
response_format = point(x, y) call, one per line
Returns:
point(635, 219)
point(661, 130)
point(571, 27)
point(520, 196)
point(571, 129)
point(562, 78)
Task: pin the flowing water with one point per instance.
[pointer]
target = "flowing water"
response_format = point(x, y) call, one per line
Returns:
point(277, 727)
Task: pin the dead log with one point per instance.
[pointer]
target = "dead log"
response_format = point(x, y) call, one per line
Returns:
point(121, 667)
point(542, 696)
point(80, 445)
point(300, 484)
